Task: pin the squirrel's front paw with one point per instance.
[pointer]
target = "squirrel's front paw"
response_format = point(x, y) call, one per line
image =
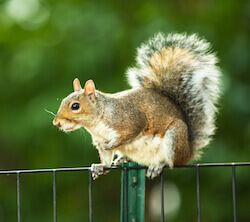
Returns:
point(108, 145)
point(120, 160)
point(97, 170)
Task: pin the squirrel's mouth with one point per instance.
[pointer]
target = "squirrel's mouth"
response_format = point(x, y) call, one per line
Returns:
point(71, 128)
point(68, 129)
point(66, 126)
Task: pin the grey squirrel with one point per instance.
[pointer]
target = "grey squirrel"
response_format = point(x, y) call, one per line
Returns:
point(167, 116)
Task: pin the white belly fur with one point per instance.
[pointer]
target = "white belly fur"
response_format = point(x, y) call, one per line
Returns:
point(149, 150)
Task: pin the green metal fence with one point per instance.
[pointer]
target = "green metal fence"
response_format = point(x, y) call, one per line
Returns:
point(132, 189)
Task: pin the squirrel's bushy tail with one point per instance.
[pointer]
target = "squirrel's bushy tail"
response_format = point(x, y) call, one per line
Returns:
point(183, 68)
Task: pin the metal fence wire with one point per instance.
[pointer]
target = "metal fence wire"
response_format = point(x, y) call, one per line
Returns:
point(125, 190)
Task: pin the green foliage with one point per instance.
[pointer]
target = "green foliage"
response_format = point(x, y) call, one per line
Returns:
point(45, 44)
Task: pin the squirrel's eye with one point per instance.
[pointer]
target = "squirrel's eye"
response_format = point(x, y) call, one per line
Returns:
point(75, 106)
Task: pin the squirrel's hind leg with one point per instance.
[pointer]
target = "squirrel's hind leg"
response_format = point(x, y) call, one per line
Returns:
point(175, 148)
point(165, 155)
point(183, 152)
point(176, 144)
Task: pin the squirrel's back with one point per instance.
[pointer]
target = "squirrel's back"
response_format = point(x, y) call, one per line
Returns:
point(183, 68)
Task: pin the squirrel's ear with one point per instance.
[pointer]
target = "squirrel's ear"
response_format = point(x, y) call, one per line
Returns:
point(89, 90)
point(77, 85)
point(89, 87)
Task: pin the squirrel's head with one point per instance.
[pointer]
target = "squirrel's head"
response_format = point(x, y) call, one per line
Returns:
point(78, 108)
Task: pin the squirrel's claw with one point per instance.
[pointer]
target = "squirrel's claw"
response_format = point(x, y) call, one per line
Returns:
point(153, 171)
point(97, 170)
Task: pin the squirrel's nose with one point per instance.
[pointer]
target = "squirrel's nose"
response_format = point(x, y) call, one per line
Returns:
point(56, 122)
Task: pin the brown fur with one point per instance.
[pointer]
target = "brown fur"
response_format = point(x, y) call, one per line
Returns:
point(168, 61)
point(129, 114)
point(163, 119)
point(183, 150)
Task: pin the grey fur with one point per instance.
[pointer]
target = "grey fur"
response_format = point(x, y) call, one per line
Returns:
point(196, 93)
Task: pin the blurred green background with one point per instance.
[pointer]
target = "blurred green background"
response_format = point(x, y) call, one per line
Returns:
point(45, 44)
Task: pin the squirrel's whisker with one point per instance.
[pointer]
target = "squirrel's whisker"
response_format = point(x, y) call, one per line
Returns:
point(53, 114)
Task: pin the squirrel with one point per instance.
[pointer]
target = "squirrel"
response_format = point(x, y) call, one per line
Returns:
point(167, 116)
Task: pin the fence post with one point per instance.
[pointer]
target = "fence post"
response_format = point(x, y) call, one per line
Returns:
point(132, 193)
